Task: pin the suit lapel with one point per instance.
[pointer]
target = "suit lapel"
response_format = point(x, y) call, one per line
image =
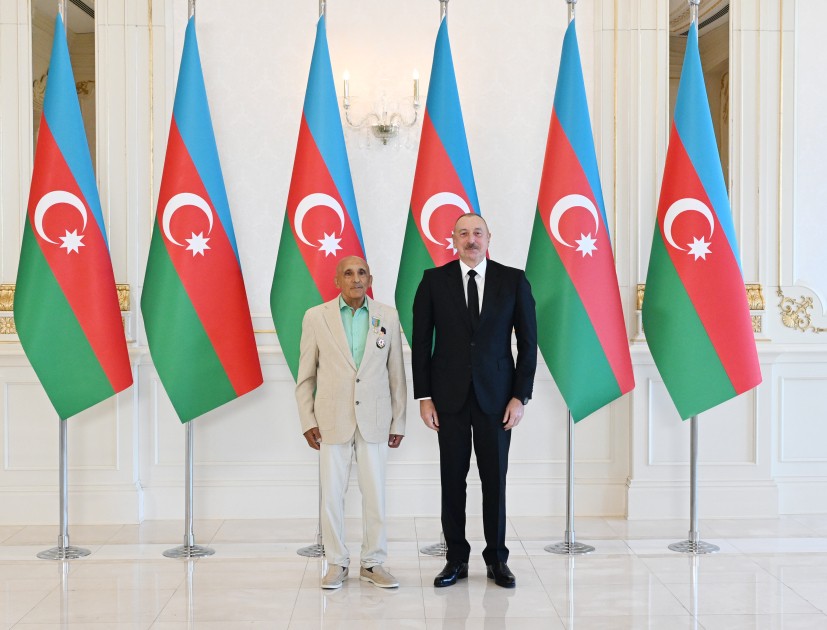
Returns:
point(374, 311)
point(493, 280)
point(333, 319)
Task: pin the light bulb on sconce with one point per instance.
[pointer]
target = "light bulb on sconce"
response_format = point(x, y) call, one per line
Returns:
point(384, 125)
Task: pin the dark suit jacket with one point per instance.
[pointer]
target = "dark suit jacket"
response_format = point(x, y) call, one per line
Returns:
point(447, 356)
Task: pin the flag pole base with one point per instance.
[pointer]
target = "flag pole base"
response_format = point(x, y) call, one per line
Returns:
point(437, 549)
point(569, 548)
point(311, 551)
point(189, 551)
point(63, 553)
point(694, 547)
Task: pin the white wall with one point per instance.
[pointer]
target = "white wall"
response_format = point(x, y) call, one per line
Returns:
point(760, 453)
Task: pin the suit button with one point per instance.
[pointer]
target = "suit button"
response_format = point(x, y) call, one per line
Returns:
point(472, 344)
point(357, 402)
point(358, 381)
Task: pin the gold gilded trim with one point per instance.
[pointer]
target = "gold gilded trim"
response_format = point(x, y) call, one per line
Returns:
point(123, 297)
point(7, 326)
point(795, 314)
point(756, 323)
point(6, 297)
point(641, 288)
point(755, 298)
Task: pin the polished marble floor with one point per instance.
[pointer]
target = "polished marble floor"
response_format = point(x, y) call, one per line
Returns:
point(769, 574)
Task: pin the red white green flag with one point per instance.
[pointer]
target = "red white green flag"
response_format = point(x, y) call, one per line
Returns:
point(695, 312)
point(65, 305)
point(443, 187)
point(580, 326)
point(321, 224)
point(194, 303)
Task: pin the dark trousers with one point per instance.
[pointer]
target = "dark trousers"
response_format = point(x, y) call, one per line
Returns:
point(457, 432)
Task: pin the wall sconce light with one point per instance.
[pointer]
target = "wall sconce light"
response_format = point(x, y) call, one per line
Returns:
point(383, 123)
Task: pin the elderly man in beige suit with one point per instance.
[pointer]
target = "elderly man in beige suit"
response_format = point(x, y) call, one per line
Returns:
point(351, 395)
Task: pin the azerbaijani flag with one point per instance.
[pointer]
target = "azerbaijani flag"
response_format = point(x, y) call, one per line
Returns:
point(580, 331)
point(321, 224)
point(194, 303)
point(695, 312)
point(443, 187)
point(65, 305)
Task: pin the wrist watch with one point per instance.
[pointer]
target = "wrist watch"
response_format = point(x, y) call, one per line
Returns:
point(525, 400)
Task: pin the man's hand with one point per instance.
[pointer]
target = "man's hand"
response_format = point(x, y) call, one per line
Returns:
point(313, 437)
point(395, 440)
point(513, 414)
point(427, 412)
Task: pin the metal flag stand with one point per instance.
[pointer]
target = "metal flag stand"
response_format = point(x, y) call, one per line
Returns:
point(189, 549)
point(570, 546)
point(693, 544)
point(316, 550)
point(440, 548)
point(63, 551)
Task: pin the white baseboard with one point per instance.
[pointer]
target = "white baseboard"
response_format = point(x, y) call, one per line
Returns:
point(670, 499)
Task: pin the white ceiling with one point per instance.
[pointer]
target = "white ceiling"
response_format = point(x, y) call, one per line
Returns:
point(77, 20)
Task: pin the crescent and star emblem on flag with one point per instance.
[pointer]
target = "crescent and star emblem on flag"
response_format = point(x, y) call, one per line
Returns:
point(699, 248)
point(586, 244)
point(329, 244)
point(432, 205)
point(197, 242)
point(72, 240)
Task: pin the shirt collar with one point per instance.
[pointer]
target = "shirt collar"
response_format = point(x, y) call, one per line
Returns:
point(344, 305)
point(480, 269)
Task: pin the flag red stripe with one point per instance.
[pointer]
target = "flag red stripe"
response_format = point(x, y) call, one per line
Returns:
point(85, 277)
point(714, 284)
point(213, 281)
point(311, 175)
point(436, 174)
point(594, 275)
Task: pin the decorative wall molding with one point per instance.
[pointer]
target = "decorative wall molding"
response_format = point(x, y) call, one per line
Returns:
point(796, 314)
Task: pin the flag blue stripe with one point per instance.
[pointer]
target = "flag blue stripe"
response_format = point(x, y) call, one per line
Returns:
point(62, 111)
point(192, 115)
point(693, 122)
point(321, 111)
point(446, 114)
point(572, 111)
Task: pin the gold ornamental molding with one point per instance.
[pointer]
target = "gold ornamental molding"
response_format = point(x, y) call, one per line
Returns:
point(755, 300)
point(795, 314)
point(7, 305)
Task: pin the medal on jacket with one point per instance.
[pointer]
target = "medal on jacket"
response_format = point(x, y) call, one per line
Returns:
point(375, 322)
point(380, 343)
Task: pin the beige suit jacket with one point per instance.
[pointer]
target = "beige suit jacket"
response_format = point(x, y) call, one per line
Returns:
point(374, 397)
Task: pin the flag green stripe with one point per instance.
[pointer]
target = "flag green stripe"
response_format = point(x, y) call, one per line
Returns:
point(565, 334)
point(52, 337)
point(294, 291)
point(415, 260)
point(686, 359)
point(183, 354)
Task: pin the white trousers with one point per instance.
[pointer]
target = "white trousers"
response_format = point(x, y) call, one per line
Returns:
point(334, 467)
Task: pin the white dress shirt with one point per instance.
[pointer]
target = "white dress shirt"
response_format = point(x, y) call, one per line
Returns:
point(480, 278)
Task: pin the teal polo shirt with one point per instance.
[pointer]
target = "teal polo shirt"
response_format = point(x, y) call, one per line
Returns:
point(356, 324)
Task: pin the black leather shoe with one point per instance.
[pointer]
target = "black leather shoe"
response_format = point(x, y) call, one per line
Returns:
point(502, 575)
point(452, 572)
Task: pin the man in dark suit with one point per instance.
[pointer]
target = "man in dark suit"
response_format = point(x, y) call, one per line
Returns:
point(469, 389)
